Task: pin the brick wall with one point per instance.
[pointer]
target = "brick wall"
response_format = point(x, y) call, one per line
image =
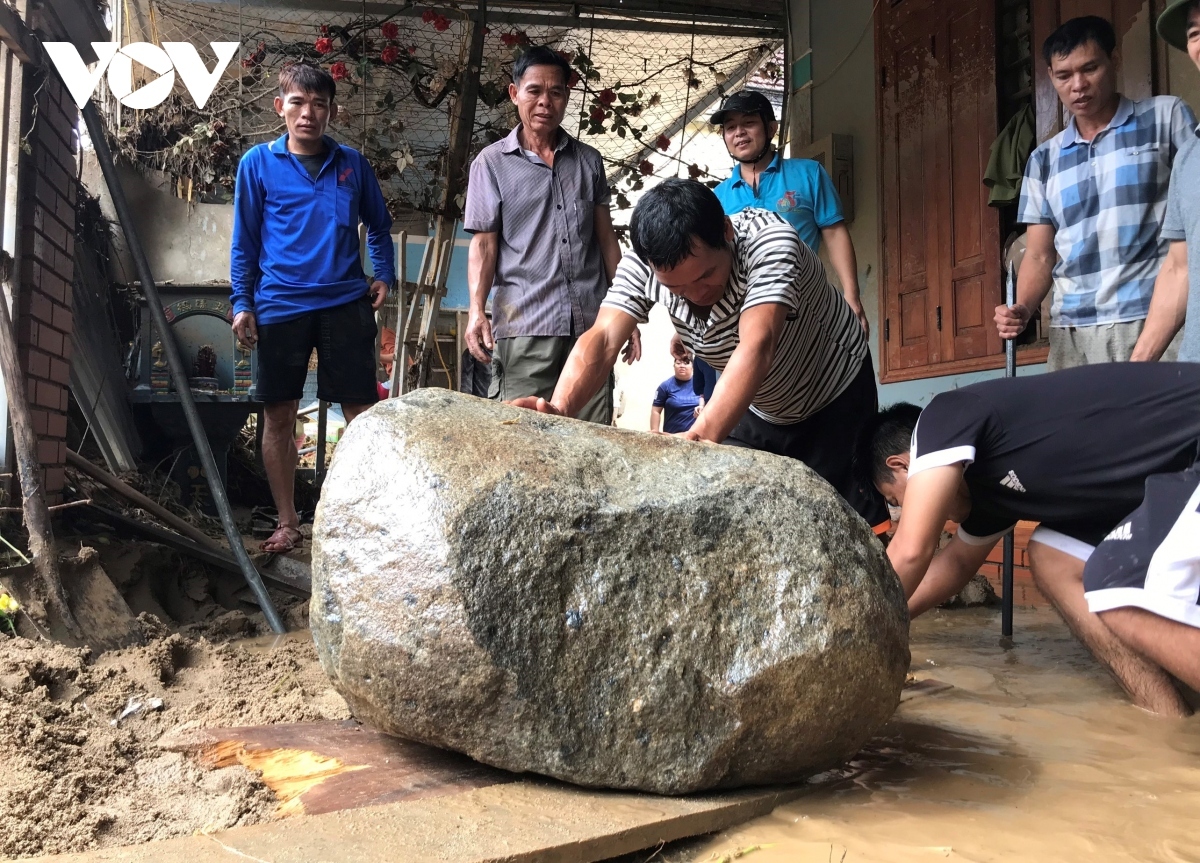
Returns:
point(46, 267)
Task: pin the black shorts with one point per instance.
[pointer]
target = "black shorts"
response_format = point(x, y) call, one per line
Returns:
point(344, 337)
point(1151, 560)
point(825, 442)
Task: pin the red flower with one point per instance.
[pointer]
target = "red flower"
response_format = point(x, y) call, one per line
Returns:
point(597, 115)
point(573, 80)
point(646, 167)
point(390, 54)
point(324, 29)
point(412, 49)
point(663, 143)
point(390, 30)
point(694, 171)
point(428, 15)
point(441, 23)
point(339, 72)
point(324, 45)
point(607, 97)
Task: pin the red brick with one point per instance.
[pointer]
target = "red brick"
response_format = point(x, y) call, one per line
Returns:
point(56, 232)
point(27, 331)
point(36, 363)
point(64, 401)
point(65, 209)
point(47, 395)
point(68, 349)
point(60, 372)
point(41, 307)
point(54, 287)
point(56, 425)
point(50, 340)
point(56, 478)
point(41, 421)
point(47, 451)
point(63, 319)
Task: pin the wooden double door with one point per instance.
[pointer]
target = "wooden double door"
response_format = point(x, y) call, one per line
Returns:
point(942, 274)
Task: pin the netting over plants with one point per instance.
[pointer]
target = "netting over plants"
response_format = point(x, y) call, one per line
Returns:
point(399, 73)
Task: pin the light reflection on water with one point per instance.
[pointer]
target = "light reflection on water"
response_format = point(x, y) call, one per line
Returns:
point(1033, 755)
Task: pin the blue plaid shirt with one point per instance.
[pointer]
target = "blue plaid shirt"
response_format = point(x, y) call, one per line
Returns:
point(1106, 200)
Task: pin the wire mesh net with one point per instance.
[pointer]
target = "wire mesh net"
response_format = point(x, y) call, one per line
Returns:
point(399, 74)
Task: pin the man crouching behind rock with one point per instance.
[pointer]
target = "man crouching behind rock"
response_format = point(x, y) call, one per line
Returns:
point(750, 299)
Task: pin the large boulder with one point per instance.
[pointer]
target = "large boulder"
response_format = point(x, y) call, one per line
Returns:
point(608, 607)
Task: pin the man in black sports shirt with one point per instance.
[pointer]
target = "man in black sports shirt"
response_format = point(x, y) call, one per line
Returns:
point(1104, 457)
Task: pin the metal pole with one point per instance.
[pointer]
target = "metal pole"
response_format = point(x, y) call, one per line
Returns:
point(95, 129)
point(322, 434)
point(1006, 572)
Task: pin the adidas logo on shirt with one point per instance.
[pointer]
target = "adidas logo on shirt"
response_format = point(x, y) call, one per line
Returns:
point(1124, 531)
point(1012, 482)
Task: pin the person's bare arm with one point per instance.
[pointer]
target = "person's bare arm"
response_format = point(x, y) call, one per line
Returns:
point(481, 271)
point(758, 337)
point(1034, 281)
point(606, 236)
point(928, 500)
point(610, 251)
point(1168, 306)
point(589, 365)
point(845, 263)
point(951, 569)
point(655, 418)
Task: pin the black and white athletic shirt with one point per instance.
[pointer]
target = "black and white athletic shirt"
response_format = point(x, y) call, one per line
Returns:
point(822, 346)
point(1071, 449)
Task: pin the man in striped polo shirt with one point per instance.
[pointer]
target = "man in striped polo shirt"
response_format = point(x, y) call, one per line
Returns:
point(1094, 197)
point(749, 298)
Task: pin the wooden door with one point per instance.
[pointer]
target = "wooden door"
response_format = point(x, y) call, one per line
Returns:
point(941, 251)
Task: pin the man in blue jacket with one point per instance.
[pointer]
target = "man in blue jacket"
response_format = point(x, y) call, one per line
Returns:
point(298, 281)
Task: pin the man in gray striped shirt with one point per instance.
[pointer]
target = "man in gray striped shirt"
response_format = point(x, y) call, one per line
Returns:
point(537, 205)
point(750, 299)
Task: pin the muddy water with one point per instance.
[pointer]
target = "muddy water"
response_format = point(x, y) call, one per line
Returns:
point(1033, 755)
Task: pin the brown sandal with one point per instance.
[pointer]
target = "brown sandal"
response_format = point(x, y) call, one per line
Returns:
point(283, 540)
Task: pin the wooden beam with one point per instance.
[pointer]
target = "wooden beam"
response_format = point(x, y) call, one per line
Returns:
point(17, 37)
point(29, 468)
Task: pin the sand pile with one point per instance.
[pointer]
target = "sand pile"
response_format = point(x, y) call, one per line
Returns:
point(73, 780)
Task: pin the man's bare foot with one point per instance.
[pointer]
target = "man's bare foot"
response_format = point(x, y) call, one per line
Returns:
point(283, 540)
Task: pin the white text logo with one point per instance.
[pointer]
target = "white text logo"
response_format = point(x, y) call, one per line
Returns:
point(1125, 531)
point(172, 57)
point(1012, 482)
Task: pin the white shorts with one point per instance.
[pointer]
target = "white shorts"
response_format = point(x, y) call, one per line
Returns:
point(1151, 560)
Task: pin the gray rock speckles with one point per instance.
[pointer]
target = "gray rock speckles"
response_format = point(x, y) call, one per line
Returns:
point(607, 607)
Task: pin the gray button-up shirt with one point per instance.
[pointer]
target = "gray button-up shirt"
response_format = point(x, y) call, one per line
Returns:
point(550, 275)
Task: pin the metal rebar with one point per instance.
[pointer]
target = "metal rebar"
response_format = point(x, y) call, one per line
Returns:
point(95, 127)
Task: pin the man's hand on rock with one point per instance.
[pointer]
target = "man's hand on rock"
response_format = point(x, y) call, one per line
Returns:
point(690, 434)
point(245, 328)
point(536, 403)
point(479, 336)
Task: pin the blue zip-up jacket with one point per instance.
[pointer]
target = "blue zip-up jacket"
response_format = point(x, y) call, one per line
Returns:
point(295, 239)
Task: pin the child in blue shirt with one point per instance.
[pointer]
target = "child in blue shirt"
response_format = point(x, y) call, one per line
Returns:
point(677, 397)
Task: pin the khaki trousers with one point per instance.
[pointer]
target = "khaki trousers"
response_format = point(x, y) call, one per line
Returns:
point(530, 366)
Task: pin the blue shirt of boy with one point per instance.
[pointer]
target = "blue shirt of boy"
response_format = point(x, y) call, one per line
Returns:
point(679, 402)
point(295, 237)
point(800, 190)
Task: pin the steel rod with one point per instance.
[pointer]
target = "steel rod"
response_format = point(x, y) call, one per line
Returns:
point(95, 127)
point(1006, 572)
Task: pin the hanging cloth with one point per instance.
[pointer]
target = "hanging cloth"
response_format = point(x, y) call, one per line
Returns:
point(1010, 152)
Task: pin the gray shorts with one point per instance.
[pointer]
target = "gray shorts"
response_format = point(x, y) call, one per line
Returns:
point(1103, 343)
point(530, 366)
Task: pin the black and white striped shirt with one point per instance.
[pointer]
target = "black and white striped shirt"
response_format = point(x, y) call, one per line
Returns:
point(822, 346)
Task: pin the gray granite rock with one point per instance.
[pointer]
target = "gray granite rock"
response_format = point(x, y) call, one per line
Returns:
point(608, 607)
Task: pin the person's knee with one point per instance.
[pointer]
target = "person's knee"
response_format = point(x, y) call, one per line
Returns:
point(280, 416)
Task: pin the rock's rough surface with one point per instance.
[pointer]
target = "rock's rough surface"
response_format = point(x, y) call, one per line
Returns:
point(611, 608)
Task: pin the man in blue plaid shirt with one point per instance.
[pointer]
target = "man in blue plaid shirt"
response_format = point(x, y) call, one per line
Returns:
point(1094, 197)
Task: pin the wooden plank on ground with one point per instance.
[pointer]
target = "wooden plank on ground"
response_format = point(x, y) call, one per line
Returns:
point(316, 767)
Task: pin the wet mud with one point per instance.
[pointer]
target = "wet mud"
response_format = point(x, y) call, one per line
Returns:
point(1033, 755)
